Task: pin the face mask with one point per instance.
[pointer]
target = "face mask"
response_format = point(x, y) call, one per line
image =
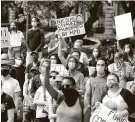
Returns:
point(18, 62)
point(13, 28)
point(71, 95)
point(95, 54)
point(100, 70)
point(4, 72)
point(53, 62)
point(71, 65)
point(34, 24)
point(127, 50)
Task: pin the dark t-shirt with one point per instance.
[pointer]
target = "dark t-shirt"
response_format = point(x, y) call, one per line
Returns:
point(7, 101)
point(35, 38)
point(20, 75)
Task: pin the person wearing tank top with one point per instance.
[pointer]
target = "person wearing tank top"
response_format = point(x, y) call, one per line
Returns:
point(118, 99)
point(69, 109)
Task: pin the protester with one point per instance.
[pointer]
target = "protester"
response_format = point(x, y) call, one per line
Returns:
point(53, 75)
point(54, 43)
point(29, 113)
point(34, 63)
point(83, 57)
point(70, 107)
point(128, 53)
point(96, 86)
point(122, 69)
point(54, 59)
point(76, 53)
point(7, 107)
point(34, 40)
point(15, 35)
point(20, 72)
point(118, 99)
point(95, 55)
point(10, 85)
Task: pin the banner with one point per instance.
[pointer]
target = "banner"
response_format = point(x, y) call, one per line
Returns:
point(103, 114)
point(59, 68)
point(124, 27)
point(5, 38)
point(70, 26)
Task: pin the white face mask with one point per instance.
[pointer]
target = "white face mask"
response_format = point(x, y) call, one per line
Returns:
point(95, 54)
point(100, 70)
point(18, 62)
point(71, 65)
point(127, 50)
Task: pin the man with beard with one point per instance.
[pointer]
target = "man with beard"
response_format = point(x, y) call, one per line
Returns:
point(122, 69)
point(70, 108)
point(10, 85)
point(96, 86)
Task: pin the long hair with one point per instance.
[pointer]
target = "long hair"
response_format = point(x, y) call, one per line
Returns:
point(16, 24)
point(130, 52)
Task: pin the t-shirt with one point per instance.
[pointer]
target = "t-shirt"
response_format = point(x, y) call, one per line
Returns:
point(20, 75)
point(7, 102)
point(10, 86)
point(98, 87)
point(43, 96)
point(34, 39)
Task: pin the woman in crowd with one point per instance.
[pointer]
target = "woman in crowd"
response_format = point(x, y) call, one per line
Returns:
point(128, 53)
point(16, 37)
point(69, 108)
point(95, 55)
point(54, 59)
point(118, 99)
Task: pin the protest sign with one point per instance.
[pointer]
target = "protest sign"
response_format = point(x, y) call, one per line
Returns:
point(124, 27)
point(15, 40)
point(5, 39)
point(70, 26)
point(59, 68)
point(104, 114)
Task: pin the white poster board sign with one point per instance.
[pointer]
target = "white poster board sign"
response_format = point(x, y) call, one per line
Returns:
point(15, 40)
point(59, 68)
point(103, 114)
point(70, 26)
point(124, 27)
point(5, 38)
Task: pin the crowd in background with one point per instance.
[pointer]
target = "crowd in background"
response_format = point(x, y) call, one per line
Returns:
point(31, 92)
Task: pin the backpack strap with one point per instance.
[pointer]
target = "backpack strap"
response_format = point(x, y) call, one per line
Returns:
point(82, 106)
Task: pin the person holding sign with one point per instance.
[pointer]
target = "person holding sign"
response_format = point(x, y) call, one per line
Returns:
point(34, 40)
point(16, 39)
point(118, 99)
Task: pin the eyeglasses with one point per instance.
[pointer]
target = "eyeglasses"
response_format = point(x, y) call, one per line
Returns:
point(53, 77)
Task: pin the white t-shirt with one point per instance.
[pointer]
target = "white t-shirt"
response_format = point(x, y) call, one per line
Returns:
point(10, 86)
point(43, 96)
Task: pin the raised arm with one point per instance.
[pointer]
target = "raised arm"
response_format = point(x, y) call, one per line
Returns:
point(61, 57)
point(118, 47)
point(50, 89)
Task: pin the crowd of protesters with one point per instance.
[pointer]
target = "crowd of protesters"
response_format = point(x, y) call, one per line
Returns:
point(31, 92)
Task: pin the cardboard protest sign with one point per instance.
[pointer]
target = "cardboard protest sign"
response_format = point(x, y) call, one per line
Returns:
point(5, 38)
point(70, 26)
point(103, 114)
point(59, 68)
point(124, 27)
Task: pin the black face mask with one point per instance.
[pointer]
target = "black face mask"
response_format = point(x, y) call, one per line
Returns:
point(4, 72)
point(13, 28)
point(71, 95)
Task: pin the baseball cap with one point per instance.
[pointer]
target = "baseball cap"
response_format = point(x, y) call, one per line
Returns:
point(34, 52)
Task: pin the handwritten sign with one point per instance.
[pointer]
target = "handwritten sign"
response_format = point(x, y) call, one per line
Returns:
point(124, 27)
point(70, 26)
point(5, 38)
point(15, 40)
point(103, 114)
point(59, 68)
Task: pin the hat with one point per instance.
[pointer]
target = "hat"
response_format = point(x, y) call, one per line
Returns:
point(5, 62)
point(59, 78)
point(34, 52)
point(4, 56)
point(49, 34)
point(79, 41)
